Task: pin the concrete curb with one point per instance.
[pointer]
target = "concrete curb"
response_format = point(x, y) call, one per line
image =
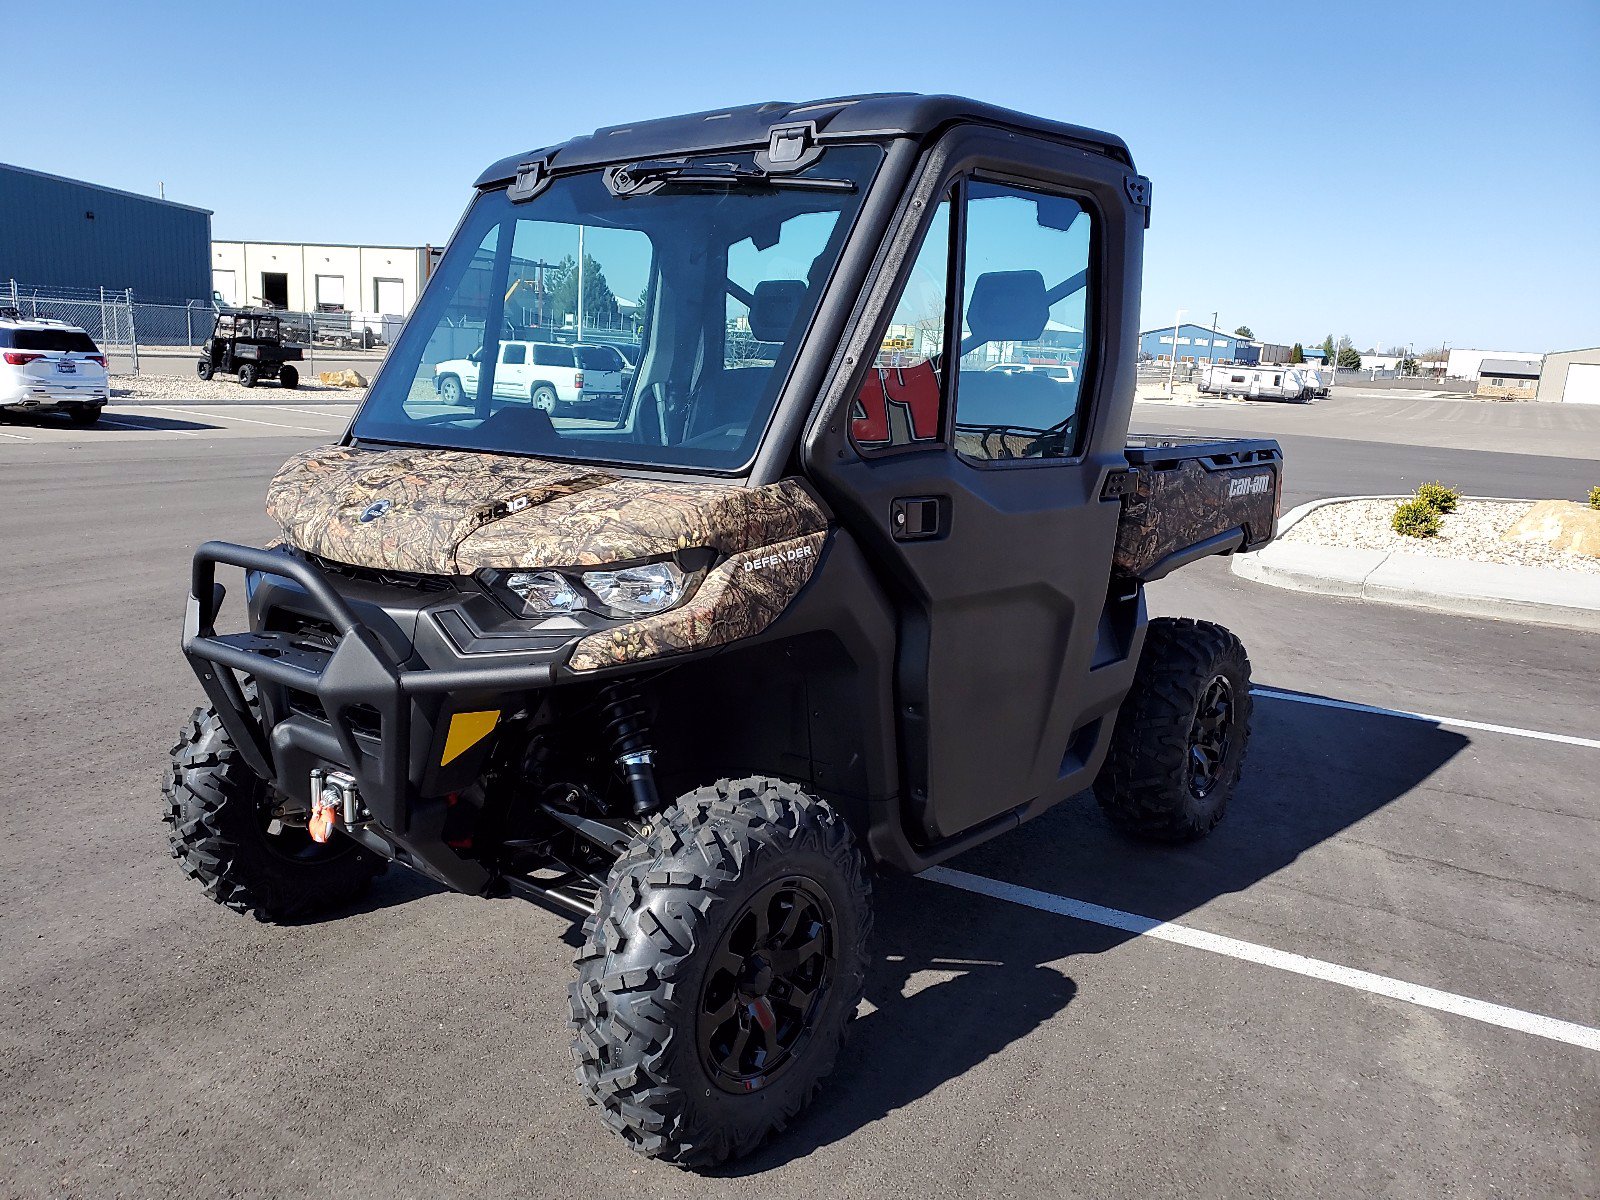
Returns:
point(1536, 595)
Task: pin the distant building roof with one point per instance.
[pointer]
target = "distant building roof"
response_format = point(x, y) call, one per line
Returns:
point(1206, 329)
point(100, 187)
point(1509, 366)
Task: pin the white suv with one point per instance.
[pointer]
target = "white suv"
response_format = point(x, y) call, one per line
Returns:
point(545, 373)
point(50, 366)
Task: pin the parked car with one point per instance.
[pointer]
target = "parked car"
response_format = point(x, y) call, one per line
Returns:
point(1060, 372)
point(50, 366)
point(543, 373)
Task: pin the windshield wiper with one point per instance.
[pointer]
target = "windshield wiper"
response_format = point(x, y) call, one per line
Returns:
point(652, 175)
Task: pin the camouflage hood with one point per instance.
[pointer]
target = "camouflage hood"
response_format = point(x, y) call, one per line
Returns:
point(446, 512)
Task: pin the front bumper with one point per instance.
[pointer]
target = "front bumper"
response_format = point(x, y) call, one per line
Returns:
point(370, 692)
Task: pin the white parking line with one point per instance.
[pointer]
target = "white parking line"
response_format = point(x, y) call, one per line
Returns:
point(146, 428)
point(16, 437)
point(1565, 739)
point(213, 415)
point(1314, 968)
point(311, 412)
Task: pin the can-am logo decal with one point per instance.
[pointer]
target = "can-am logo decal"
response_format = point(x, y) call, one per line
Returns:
point(1250, 485)
point(375, 510)
point(782, 556)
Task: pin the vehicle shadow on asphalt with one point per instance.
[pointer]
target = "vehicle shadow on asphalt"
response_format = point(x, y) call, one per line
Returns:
point(121, 421)
point(1312, 774)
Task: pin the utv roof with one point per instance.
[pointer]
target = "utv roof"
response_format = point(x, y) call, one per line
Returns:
point(888, 114)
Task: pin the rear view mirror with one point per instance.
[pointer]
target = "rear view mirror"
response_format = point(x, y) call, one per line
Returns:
point(1057, 212)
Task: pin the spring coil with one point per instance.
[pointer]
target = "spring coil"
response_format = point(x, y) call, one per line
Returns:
point(623, 716)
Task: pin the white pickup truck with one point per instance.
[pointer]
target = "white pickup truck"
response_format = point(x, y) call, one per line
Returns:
point(545, 373)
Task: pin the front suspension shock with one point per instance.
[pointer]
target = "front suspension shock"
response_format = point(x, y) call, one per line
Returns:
point(622, 711)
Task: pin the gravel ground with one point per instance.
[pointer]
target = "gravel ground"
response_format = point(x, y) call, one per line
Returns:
point(127, 389)
point(1471, 532)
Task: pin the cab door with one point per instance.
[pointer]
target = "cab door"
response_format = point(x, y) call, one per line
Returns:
point(979, 488)
point(512, 374)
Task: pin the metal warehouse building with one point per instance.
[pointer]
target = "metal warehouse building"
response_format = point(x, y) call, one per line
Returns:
point(1196, 344)
point(60, 233)
point(1572, 376)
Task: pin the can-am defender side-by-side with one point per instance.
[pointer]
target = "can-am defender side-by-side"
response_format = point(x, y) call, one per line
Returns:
point(825, 593)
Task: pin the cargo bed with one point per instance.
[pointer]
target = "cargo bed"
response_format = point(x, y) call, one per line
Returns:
point(1184, 498)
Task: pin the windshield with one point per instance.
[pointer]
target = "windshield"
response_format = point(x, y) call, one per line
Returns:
point(654, 327)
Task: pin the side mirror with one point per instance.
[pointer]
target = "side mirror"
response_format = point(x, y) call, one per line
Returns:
point(476, 355)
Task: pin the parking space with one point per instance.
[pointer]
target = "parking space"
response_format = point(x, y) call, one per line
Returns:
point(146, 422)
point(1378, 976)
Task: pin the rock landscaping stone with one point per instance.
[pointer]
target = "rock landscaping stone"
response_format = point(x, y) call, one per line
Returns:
point(1560, 524)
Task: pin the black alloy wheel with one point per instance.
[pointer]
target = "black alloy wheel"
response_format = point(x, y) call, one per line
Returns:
point(765, 985)
point(1209, 739)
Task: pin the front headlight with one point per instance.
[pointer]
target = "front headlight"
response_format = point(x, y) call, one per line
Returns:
point(542, 593)
point(637, 591)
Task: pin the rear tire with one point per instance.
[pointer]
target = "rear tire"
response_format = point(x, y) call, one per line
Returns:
point(725, 956)
point(247, 375)
point(1178, 747)
point(288, 377)
point(544, 397)
point(216, 812)
point(85, 415)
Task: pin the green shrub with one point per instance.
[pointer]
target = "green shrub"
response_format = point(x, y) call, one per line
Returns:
point(1438, 497)
point(1594, 497)
point(1415, 518)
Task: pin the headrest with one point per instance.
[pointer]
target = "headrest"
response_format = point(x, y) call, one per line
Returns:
point(773, 308)
point(523, 428)
point(1007, 306)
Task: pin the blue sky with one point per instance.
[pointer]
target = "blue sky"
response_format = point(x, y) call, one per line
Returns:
point(1399, 172)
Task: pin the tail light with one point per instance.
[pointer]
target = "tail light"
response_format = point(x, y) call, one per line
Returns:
point(577, 381)
point(95, 358)
point(21, 360)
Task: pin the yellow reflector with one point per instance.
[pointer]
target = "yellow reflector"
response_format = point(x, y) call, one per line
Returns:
point(466, 731)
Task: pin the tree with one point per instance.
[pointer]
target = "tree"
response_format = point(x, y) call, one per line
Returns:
point(599, 304)
point(1297, 355)
point(1327, 349)
point(1246, 332)
point(1349, 359)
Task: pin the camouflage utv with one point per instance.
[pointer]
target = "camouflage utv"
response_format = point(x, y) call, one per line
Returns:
point(827, 595)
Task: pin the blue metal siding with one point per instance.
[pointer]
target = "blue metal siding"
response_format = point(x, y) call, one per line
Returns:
point(160, 250)
point(1201, 344)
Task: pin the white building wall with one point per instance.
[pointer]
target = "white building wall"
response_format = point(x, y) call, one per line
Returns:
point(360, 273)
point(1464, 363)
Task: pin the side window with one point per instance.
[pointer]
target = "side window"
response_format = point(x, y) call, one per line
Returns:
point(898, 402)
point(514, 354)
point(552, 356)
point(1025, 302)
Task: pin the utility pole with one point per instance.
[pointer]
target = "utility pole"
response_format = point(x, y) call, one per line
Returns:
point(1172, 367)
point(1211, 350)
point(580, 283)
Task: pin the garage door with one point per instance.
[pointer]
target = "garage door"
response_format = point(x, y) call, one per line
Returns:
point(1583, 384)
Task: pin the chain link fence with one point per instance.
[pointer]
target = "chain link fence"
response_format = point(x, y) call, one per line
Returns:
point(124, 326)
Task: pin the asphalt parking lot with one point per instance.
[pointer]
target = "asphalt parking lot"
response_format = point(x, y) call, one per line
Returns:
point(1399, 993)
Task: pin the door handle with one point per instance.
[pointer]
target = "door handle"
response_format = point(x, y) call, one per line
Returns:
point(913, 518)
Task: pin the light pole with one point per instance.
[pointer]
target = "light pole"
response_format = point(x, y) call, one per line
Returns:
point(579, 319)
point(1172, 367)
